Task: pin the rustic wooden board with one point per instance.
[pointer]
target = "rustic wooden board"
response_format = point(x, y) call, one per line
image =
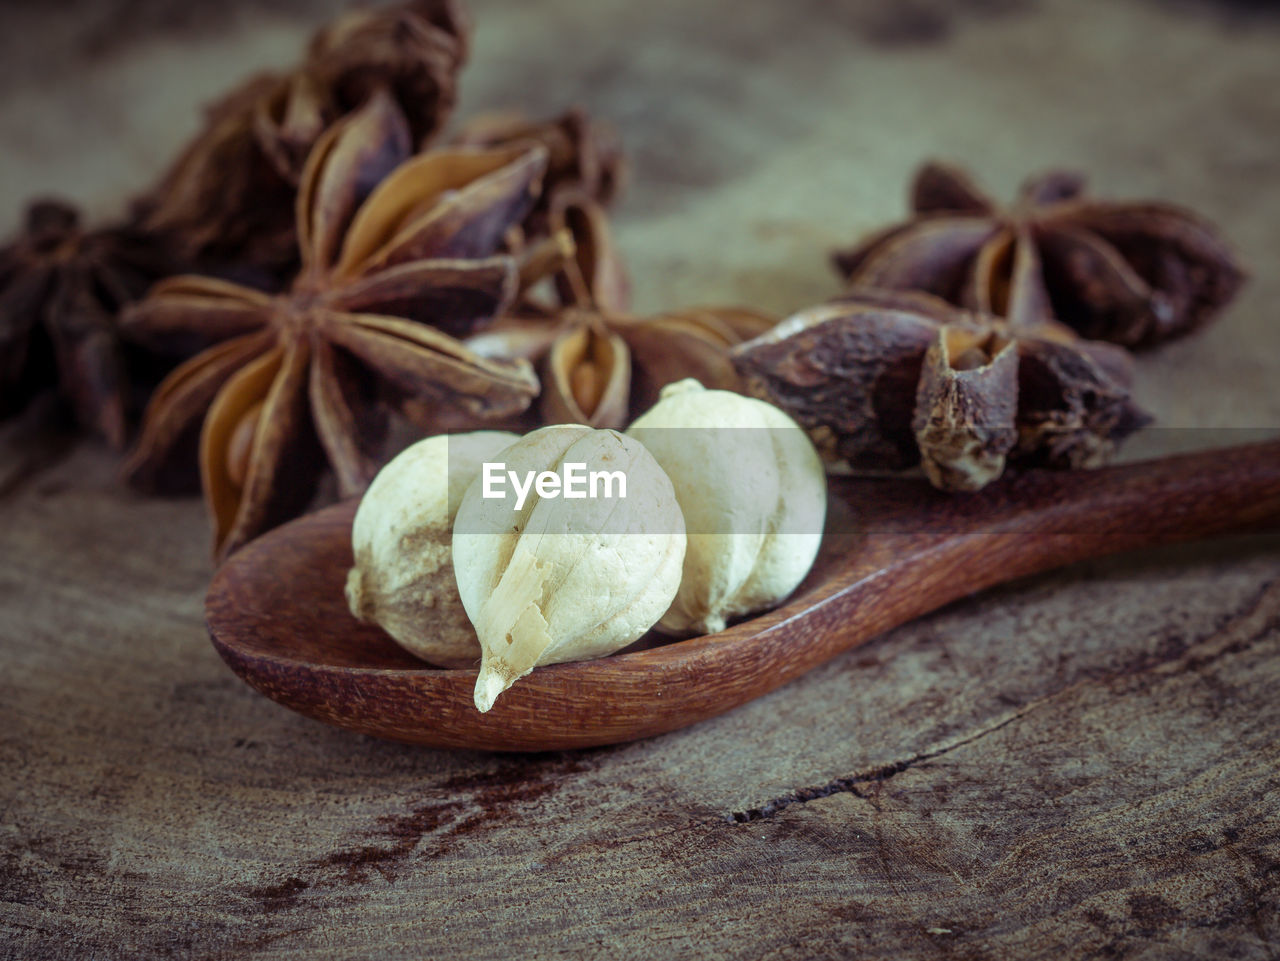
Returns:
point(1084, 763)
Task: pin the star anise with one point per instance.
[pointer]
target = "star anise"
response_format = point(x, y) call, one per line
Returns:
point(585, 173)
point(227, 202)
point(888, 380)
point(603, 369)
point(60, 289)
point(389, 245)
point(600, 365)
point(1133, 273)
point(584, 155)
point(413, 50)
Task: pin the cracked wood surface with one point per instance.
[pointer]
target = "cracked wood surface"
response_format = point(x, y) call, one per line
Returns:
point(1083, 763)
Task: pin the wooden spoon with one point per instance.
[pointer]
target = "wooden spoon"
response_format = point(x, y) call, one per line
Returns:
point(894, 550)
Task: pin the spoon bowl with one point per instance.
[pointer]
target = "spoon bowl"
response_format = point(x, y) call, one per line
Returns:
point(893, 550)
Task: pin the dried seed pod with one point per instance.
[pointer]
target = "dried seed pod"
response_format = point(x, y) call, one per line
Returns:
point(546, 578)
point(630, 359)
point(966, 402)
point(586, 156)
point(1132, 273)
point(691, 342)
point(889, 380)
point(1073, 401)
point(399, 254)
point(595, 275)
point(753, 493)
point(61, 290)
point(403, 575)
point(227, 201)
point(847, 371)
point(588, 376)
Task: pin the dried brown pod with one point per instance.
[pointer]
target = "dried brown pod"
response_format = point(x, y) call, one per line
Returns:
point(398, 255)
point(61, 287)
point(1132, 273)
point(966, 407)
point(228, 199)
point(601, 365)
point(584, 155)
point(585, 173)
point(595, 275)
point(412, 50)
point(587, 376)
point(224, 200)
point(602, 369)
point(889, 380)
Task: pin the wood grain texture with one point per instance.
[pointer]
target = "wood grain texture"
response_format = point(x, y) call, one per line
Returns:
point(894, 549)
point(1085, 760)
point(1077, 764)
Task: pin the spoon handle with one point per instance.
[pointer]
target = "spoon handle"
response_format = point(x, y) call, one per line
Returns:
point(1233, 489)
point(910, 549)
point(923, 548)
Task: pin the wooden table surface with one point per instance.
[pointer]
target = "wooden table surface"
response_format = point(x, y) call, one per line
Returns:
point(1080, 764)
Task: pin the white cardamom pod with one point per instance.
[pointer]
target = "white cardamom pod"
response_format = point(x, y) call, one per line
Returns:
point(754, 497)
point(403, 574)
point(549, 576)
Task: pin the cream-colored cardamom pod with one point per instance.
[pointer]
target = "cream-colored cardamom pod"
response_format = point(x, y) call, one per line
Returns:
point(754, 497)
point(547, 575)
point(403, 574)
